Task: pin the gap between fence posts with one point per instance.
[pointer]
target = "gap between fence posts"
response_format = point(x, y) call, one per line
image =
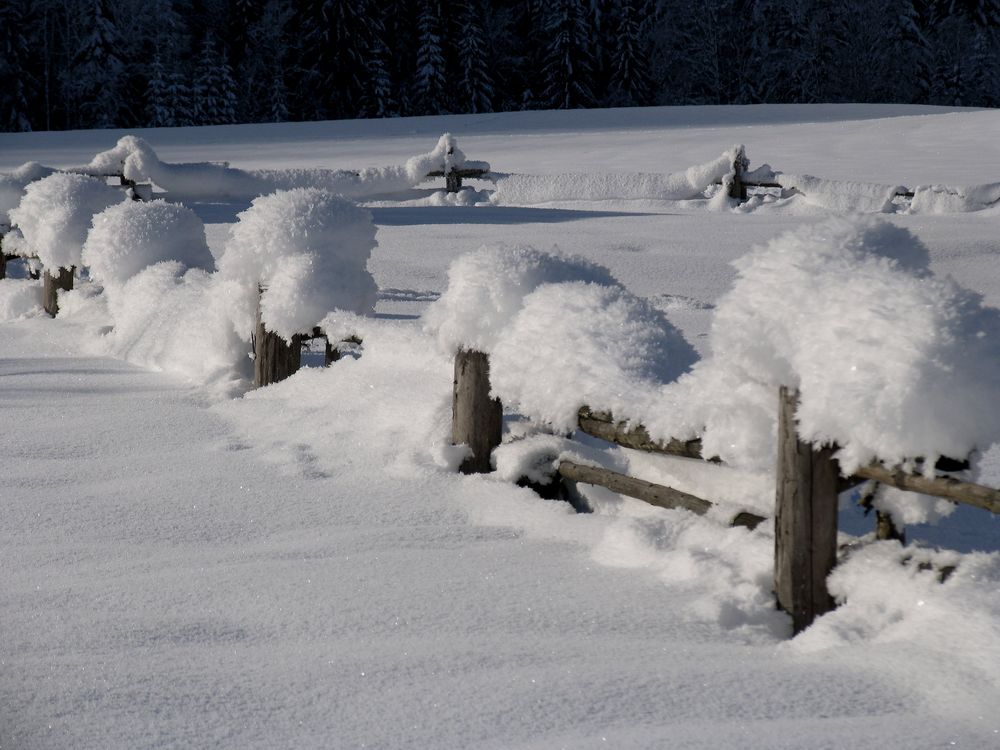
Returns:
point(51, 285)
point(476, 419)
point(805, 534)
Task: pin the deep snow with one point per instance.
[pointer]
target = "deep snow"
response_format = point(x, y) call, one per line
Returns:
point(301, 567)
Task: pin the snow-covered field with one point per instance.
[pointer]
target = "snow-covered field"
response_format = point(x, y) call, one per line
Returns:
point(301, 566)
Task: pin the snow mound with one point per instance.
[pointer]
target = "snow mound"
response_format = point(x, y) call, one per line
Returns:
point(575, 344)
point(130, 236)
point(527, 189)
point(487, 288)
point(208, 181)
point(12, 185)
point(55, 215)
point(891, 362)
point(841, 196)
point(309, 249)
point(19, 298)
point(174, 319)
point(941, 199)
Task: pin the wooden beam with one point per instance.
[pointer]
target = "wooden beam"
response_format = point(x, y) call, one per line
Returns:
point(946, 487)
point(805, 538)
point(476, 419)
point(654, 494)
point(603, 425)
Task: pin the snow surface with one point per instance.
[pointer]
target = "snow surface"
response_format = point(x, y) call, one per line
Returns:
point(302, 567)
point(55, 213)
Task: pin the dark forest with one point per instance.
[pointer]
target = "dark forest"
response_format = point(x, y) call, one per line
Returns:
point(148, 63)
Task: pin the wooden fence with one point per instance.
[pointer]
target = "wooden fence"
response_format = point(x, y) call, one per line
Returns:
point(808, 482)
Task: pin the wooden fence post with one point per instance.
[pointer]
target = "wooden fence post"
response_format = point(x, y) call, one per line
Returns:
point(737, 188)
point(51, 286)
point(805, 534)
point(452, 179)
point(274, 359)
point(476, 419)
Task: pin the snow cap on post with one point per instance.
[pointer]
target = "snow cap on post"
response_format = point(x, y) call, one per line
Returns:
point(309, 250)
point(56, 212)
point(12, 186)
point(131, 236)
point(486, 289)
point(891, 362)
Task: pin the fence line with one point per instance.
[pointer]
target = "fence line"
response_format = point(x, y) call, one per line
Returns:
point(807, 484)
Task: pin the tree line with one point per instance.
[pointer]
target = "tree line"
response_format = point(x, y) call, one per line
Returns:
point(146, 63)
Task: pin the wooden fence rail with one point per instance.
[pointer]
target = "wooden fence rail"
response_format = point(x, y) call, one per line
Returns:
point(808, 482)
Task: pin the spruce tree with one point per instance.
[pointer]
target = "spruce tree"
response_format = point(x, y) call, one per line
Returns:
point(14, 67)
point(568, 64)
point(95, 74)
point(430, 83)
point(476, 85)
point(630, 82)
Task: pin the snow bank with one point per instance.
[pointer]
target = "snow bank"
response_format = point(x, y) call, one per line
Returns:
point(207, 181)
point(130, 236)
point(12, 185)
point(309, 249)
point(941, 199)
point(841, 196)
point(55, 215)
point(486, 290)
point(527, 189)
point(574, 344)
point(891, 362)
point(19, 298)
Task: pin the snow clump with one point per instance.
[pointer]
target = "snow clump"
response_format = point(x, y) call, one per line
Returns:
point(130, 236)
point(55, 215)
point(487, 288)
point(12, 185)
point(309, 250)
point(891, 362)
point(575, 344)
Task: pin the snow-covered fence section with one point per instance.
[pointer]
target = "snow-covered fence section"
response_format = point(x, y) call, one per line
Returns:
point(54, 217)
point(527, 189)
point(12, 188)
point(136, 161)
point(837, 356)
point(296, 256)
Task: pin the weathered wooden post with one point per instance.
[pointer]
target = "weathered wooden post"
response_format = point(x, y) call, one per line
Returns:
point(805, 534)
point(452, 178)
point(274, 359)
point(51, 286)
point(476, 419)
point(737, 188)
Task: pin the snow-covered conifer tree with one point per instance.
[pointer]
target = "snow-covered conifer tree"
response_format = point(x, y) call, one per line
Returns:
point(94, 77)
point(568, 63)
point(476, 86)
point(630, 82)
point(430, 82)
point(14, 76)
